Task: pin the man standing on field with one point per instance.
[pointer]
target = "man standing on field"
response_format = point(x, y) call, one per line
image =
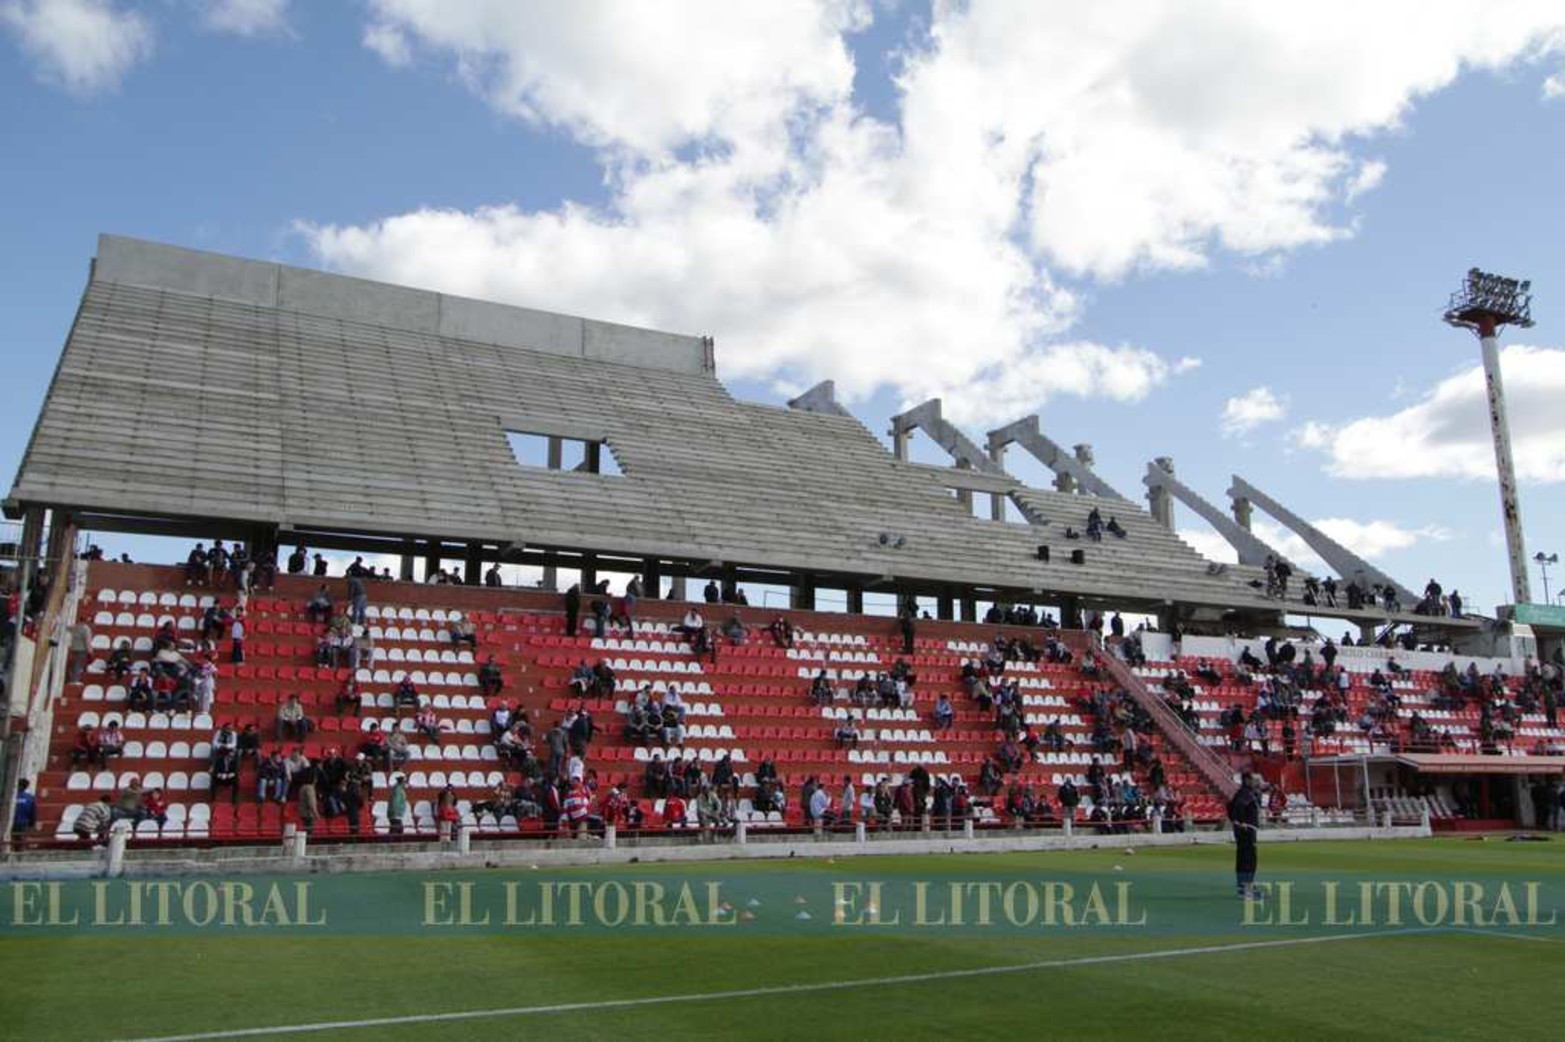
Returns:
point(1244, 814)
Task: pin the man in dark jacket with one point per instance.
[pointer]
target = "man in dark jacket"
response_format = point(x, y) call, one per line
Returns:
point(572, 608)
point(1244, 814)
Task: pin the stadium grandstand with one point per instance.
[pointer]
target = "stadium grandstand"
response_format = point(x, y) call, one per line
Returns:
point(258, 410)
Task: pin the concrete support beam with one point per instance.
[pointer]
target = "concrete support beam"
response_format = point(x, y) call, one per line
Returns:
point(821, 398)
point(962, 449)
point(405, 566)
point(1077, 466)
point(855, 599)
point(652, 578)
point(1339, 558)
point(473, 564)
point(802, 594)
point(969, 605)
point(1251, 550)
point(945, 606)
point(1159, 502)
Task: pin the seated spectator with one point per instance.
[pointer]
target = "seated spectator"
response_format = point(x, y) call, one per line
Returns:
point(140, 696)
point(1115, 530)
point(847, 734)
point(820, 689)
point(92, 824)
point(396, 752)
point(119, 661)
point(348, 696)
point(463, 632)
point(735, 630)
point(319, 608)
point(110, 743)
point(406, 696)
point(291, 720)
point(272, 778)
point(247, 744)
point(225, 773)
point(945, 715)
point(583, 679)
point(782, 632)
point(427, 724)
point(490, 680)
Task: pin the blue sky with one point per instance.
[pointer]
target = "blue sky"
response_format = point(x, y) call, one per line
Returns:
point(914, 200)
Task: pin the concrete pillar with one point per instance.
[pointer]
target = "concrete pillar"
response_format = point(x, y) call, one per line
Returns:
point(610, 837)
point(741, 833)
point(301, 842)
point(967, 829)
point(859, 835)
point(464, 838)
point(1068, 825)
point(473, 565)
point(899, 440)
point(855, 599)
point(997, 506)
point(405, 568)
point(60, 531)
point(289, 828)
point(31, 546)
point(589, 572)
point(1064, 483)
point(969, 606)
point(945, 606)
point(555, 453)
point(1159, 500)
point(652, 578)
point(114, 861)
point(432, 559)
point(801, 595)
point(1510, 503)
point(594, 457)
point(676, 589)
point(1242, 510)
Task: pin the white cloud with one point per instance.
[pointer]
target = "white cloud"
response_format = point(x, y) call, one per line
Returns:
point(87, 46)
point(1554, 87)
point(1366, 179)
point(390, 43)
point(750, 196)
point(1371, 540)
point(1243, 414)
point(246, 17)
point(1446, 432)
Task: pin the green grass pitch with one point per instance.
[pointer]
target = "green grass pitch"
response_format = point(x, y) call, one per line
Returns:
point(1435, 983)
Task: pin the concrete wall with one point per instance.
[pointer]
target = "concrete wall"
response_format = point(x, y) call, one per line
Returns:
point(264, 284)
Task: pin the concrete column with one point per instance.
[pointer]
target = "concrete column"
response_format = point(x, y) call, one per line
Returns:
point(60, 528)
point(859, 832)
point(676, 589)
point(409, 552)
point(594, 457)
point(969, 605)
point(1242, 512)
point(1510, 503)
point(801, 595)
point(589, 572)
point(964, 496)
point(473, 565)
point(741, 833)
point(945, 606)
point(652, 578)
point(855, 599)
point(464, 838)
point(610, 837)
point(899, 440)
point(119, 835)
point(1159, 500)
point(556, 453)
point(32, 542)
point(997, 506)
point(1064, 483)
point(432, 559)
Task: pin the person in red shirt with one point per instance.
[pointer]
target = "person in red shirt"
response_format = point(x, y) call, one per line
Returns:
point(674, 811)
point(86, 747)
point(153, 806)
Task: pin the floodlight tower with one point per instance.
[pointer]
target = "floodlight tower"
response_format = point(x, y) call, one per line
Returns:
point(1485, 304)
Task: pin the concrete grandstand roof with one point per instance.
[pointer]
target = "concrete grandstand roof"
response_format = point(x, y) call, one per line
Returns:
point(199, 386)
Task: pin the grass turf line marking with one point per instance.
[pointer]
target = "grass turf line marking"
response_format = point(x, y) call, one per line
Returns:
point(1502, 933)
point(766, 992)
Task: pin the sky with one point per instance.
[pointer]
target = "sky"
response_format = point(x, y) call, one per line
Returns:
point(1221, 232)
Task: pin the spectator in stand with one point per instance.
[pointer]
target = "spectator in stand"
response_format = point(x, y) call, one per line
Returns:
point(305, 783)
point(736, 631)
point(782, 632)
point(196, 566)
point(427, 724)
point(711, 594)
point(92, 824)
point(217, 563)
point(119, 661)
point(945, 715)
point(225, 773)
point(907, 626)
point(236, 635)
point(319, 608)
point(358, 598)
point(292, 722)
point(24, 818)
point(492, 577)
point(847, 734)
point(110, 743)
point(692, 624)
point(297, 560)
point(80, 646)
point(1456, 605)
point(272, 778)
point(490, 680)
point(572, 608)
point(406, 696)
point(463, 632)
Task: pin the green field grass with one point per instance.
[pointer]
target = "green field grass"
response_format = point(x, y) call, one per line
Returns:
point(1307, 983)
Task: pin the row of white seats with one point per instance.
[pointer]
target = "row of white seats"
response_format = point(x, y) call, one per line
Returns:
point(126, 621)
point(825, 655)
point(894, 715)
point(645, 755)
point(385, 700)
point(1063, 719)
point(691, 708)
point(848, 640)
point(440, 779)
point(105, 781)
point(654, 665)
point(138, 721)
point(407, 725)
point(897, 756)
point(150, 599)
point(191, 823)
point(135, 750)
point(405, 614)
point(431, 656)
point(690, 687)
point(432, 678)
